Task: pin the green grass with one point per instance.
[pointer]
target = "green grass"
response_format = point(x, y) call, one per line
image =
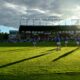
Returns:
point(37, 63)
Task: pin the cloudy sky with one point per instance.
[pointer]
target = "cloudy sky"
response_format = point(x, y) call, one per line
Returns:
point(12, 11)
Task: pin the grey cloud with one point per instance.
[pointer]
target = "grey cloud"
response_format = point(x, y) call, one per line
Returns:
point(11, 17)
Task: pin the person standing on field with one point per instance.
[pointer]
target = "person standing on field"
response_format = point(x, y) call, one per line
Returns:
point(34, 42)
point(58, 42)
point(66, 41)
point(78, 41)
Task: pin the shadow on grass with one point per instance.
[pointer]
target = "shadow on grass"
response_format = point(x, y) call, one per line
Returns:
point(64, 55)
point(33, 57)
point(53, 76)
point(72, 73)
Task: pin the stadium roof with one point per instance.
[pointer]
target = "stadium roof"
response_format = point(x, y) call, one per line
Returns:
point(48, 28)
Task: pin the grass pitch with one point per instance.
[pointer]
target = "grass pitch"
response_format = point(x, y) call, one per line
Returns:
point(39, 63)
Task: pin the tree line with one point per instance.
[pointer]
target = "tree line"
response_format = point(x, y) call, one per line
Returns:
point(4, 36)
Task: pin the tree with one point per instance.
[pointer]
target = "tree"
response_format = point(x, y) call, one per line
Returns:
point(4, 36)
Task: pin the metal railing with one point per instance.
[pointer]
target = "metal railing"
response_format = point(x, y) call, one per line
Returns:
point(48, 21)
